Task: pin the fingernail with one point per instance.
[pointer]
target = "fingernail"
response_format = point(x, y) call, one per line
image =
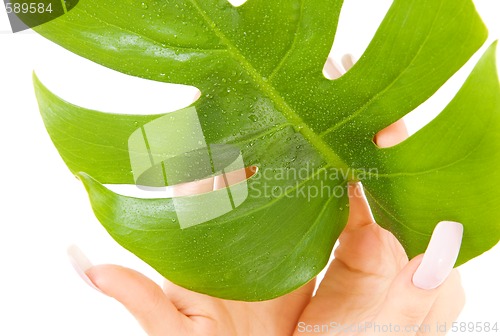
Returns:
point(197, 96)
point(81, 264)
point(347, 62)
point(332, 69)
point(440, 256)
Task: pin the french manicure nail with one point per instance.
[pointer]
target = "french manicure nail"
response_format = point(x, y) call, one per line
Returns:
point(197, 96)
point(333, 69)
point(81, 264)
point(347, 62)
point(440, 255)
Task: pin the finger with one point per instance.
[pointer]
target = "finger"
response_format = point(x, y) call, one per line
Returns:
point(347, 62)
point(142, 297)
point(81, 264)
point(197, 95)
point(416, 288)
point(357, 275)
point(406, 305)
point(359, 210)
point(332, 69)
point(392, 135)
point(446, 308)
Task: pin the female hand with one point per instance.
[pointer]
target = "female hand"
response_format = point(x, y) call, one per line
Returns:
point(370, 287)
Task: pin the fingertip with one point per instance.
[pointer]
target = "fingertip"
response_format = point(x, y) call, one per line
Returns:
point(196, 96)
point(440, 256)
point(81, 264)
point(392, 135)
point(332, 69)
point(347, 61)
point(357, 198)
point(356, 190)
point(359, 210)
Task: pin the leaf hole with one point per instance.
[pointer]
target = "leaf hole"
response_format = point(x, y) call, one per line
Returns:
point(87, 84)
point(353, 37)
point(426, 112)
point(192, 188)
point(358, 22)
point(333, 70)
point(237, 3)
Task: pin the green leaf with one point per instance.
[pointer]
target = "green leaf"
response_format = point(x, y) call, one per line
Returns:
point(265, 103)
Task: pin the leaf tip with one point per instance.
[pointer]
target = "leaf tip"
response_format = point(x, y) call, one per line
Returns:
point(36, 80)
point(37, 83)
point(494, 46)
point(85, 178)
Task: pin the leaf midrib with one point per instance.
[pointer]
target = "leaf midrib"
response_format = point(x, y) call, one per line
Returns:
point(300, 126)
point(330, 156)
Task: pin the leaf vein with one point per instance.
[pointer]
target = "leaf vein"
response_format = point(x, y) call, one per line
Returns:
point(290, 49)
point(160, 44)
point(391, 84)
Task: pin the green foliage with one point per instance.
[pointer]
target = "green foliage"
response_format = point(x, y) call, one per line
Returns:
point(266, 103)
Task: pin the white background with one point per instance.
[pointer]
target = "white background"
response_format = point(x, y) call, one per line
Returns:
point(43, 208)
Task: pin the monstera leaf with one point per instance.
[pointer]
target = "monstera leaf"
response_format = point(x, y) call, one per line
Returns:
point(275, 141)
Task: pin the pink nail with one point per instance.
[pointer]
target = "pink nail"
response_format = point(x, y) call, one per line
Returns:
point(440, 256)
point(332, 69)
point(347, 62)
point(197, 96)
point(81, 264)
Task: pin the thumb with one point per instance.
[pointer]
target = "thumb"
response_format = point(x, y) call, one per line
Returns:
point(416, 288)
point(142, 297)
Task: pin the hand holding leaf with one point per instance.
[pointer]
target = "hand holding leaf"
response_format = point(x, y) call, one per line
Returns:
point(259, 68)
